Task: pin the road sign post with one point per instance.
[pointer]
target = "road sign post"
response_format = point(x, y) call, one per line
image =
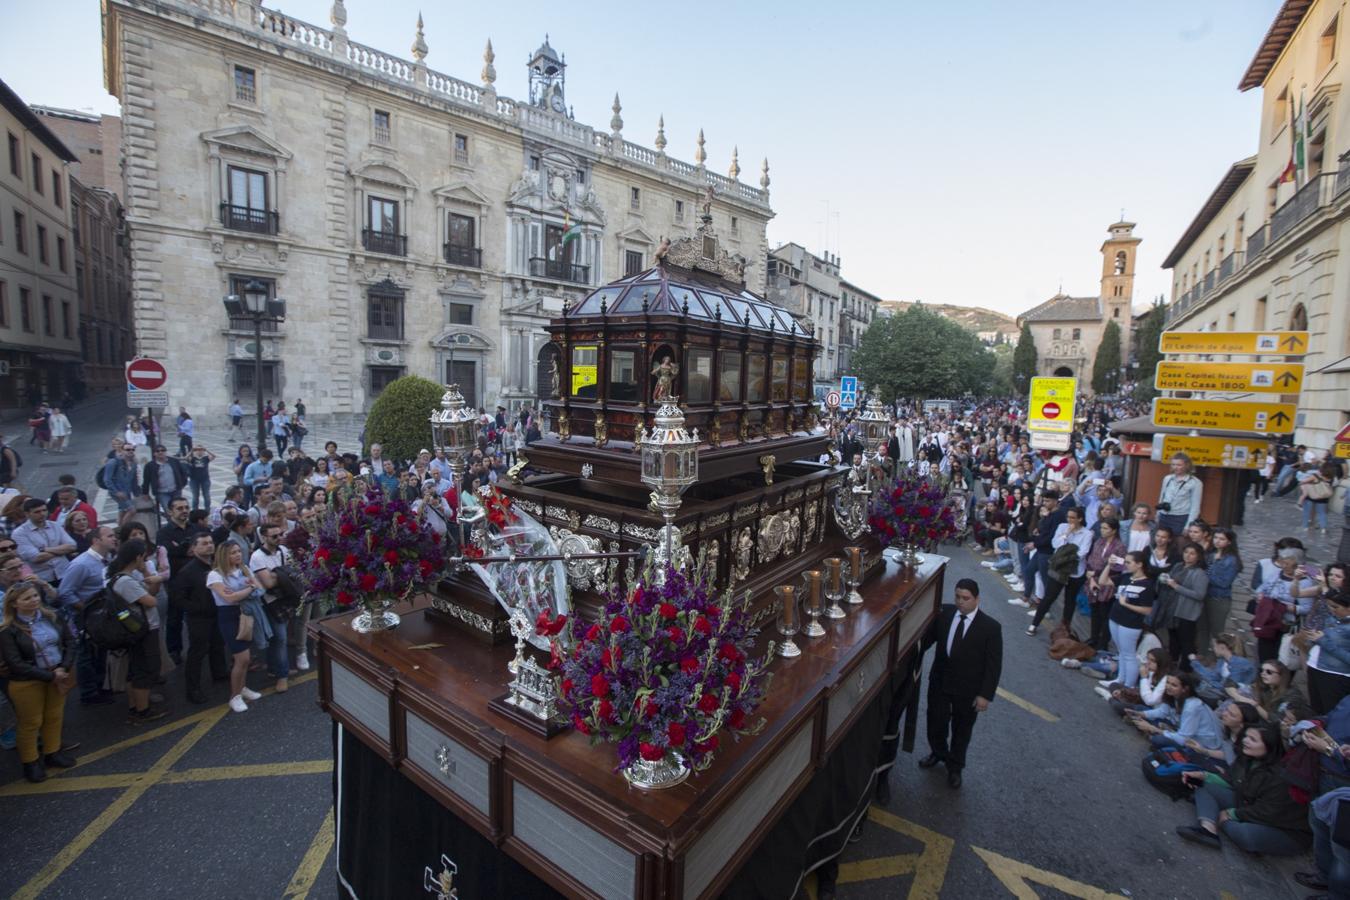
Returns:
point(1051, 405)
point(1227, 453)
point(1256, 378)
point(832, 399)
point(1224, 415)
point(848, 392)
point(147, 384)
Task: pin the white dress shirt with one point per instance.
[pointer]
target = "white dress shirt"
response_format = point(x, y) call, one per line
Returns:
point(957, 623)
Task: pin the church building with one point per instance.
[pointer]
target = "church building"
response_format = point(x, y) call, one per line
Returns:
point(1068, 330)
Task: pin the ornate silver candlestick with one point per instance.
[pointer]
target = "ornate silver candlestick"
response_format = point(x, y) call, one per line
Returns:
point(855, 574)
point(788, 622)
point(834, 588)
point(814, 604)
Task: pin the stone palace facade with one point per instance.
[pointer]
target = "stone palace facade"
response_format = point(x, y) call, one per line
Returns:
point(414, 223)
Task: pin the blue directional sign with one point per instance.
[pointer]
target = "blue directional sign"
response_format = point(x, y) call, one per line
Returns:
point(848, 392)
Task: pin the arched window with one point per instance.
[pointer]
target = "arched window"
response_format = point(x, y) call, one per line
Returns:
point(1120, 262)
point(1298, 319)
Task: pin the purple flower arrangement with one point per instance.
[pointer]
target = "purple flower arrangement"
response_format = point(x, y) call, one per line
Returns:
point(912, 510)
point(666, 668)
point(371, 551)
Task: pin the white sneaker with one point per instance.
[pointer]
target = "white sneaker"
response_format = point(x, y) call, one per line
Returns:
point(988, 564)
point(250, 695)
point(1106, 682)
point(237, 703)
point(1016, 585)
point(1032, 611)
point(302, 662)
point(1070, 663)
point(1102, 692)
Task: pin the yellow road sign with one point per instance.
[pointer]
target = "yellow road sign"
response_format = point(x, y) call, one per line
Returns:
point(1271, 418)
point(1342, 450)
point(1226, 453)
point(1252, 343)
point(1260, 378)
point(1051, 406)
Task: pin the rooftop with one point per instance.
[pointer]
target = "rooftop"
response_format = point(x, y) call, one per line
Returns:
point(1281, 30)
point(1222, 193)
point(33, 122)
point(1063, 308)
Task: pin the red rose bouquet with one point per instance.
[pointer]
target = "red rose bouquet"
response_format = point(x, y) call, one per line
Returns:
point(912, 510)
point(665, 669)
point(373, 552)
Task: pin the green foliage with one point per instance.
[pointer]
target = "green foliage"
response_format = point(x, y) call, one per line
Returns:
point(1106, 367)
point(1024, 360)
point(398, 418)
point(1002, 383)
point(1150, 332)
point(919, 353)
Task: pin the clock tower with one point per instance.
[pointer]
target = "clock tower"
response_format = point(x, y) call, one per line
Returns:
point(548, 78)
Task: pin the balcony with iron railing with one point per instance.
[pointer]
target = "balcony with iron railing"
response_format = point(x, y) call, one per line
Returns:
point(1311, 197)
point(245, 218)
point(384, 242)
point(1210, 278)
point(560, 270)
point(1257, 242)
point(1230, 265)
point(469, 257)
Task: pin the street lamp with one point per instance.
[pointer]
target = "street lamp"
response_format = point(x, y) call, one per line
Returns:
point(669, 467)
point(256, 304)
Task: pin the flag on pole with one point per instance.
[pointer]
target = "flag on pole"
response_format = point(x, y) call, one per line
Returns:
point(1301, 142)
point(1291, 170)
point(570, 231)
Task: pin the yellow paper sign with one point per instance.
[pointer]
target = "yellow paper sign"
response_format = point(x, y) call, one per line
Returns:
point(1260, 378)
point(1252, 343)
point(1227, 453)
point(1051, 406)
point(1271, 418)
point(585, 374)
point(1342, 450)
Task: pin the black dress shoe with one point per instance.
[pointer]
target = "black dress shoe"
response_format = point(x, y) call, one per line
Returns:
point(34, 772)
point(70, 747)
point(929, 761)
point(1197, 835)
point(60, 760)
point(1311, 880)
point(883, 795)
point(954, 779)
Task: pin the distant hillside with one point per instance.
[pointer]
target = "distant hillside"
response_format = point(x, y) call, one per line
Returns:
point(972, 318)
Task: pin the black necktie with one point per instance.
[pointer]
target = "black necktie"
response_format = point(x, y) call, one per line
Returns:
point(960, 633)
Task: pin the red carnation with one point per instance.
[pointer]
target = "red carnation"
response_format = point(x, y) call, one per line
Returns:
point(593, 633)
point(737, 718)
point(619, 625)
point(668, 611)
point(372, 510)
point(599, 686)
point(708, 703)
point(425, 567)
point(733, 681)
point(713, 612)
point(729, 652)
point(322, 555)
point(366, 582)
point(675, 731)
point(651, 752)
point(391, 557)
point(347, 529)
point(351, 561)
point(689, 665)
point(651, 709)
point(702, 626)
point(606, 660)
point(567, 685)
point(707, 746)
point(636, 597)
point(579, 724)
point(345, 599)
point(676, 634)
point(604, 711)
point(412, 527)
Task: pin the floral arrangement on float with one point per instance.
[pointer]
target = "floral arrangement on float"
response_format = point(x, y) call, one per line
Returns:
point(912, 512)
point(372, 553)
point(665, 674)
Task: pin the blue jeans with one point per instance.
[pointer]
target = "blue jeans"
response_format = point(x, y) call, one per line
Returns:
point(1333, 860)
point(278, 659)
point(1321, 509)
point(1127, 664)
point(1210, 799)
point(201, 493)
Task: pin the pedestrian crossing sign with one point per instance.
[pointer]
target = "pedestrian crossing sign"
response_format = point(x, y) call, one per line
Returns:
point(848, 392)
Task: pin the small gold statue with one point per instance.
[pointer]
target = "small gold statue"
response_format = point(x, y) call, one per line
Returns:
point(639, 435)
point(601, 432)
point(767, 463)
point(564, 426)
point(513, 473)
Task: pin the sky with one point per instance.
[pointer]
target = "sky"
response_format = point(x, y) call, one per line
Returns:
point(969, 153)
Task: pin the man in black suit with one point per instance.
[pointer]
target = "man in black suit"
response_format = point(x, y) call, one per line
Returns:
point(963, 679)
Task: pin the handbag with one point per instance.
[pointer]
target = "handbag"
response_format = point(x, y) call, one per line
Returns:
point(1268, 620)
point(1290, 654)
point(1317, 489)
point(245, 628)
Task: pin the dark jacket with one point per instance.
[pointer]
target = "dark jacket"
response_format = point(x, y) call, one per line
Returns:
point(176, 542)
point(1263, 796)
point(20, 656)
point(150, 476)
point(975, 669)
point(189, 592)
point(1044, 534)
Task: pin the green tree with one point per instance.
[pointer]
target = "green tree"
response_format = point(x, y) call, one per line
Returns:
point(920, 354)
point(1002, 383)
point(398, 418)
point(1106, 367)
point(1150, 332)
point(1024, 360)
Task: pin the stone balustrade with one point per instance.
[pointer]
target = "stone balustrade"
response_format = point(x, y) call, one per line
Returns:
point(293, 32)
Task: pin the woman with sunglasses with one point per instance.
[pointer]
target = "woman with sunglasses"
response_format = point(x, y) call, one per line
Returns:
point(1273, 686)
point(1328, 655)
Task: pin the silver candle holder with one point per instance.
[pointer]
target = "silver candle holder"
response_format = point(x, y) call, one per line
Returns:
point(834, 588)
point(813, 604)
point(789, 623)
point(855, 574)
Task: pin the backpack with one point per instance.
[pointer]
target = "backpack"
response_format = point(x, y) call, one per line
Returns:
point(99, 479)
point(113, 624)
point(1162, 769)
point(4, 466)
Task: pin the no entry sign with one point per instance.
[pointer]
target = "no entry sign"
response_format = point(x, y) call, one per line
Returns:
point(146, 375)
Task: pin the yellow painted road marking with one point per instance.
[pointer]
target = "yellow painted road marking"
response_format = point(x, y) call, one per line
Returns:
point(75, 783)
point(1018, 877)
point(312, 863)
point(1028, 706)
point(106, 819)
point(928, 867)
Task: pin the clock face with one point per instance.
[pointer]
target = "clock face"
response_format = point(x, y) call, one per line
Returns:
point(557, 101)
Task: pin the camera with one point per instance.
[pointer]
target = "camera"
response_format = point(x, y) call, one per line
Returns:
point(1164, 507)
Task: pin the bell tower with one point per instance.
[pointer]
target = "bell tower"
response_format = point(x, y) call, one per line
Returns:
point(548, 78)
point(1118, 254)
